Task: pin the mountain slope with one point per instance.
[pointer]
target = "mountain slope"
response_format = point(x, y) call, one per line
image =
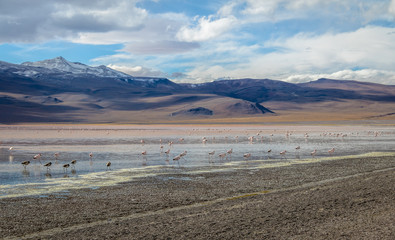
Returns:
point(62, 65)
point(57, 90)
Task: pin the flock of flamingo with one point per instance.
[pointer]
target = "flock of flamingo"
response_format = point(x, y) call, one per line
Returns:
point(211, 154)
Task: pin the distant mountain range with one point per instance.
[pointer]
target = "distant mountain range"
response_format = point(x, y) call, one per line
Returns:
point(57, 90)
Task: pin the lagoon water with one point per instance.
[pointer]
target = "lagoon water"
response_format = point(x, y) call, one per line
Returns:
point(122, 146)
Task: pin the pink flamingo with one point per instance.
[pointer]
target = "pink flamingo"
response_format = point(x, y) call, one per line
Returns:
point(331, 151)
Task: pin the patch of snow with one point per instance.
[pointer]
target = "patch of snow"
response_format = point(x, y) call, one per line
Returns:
point(27, 73)
point(61, 64)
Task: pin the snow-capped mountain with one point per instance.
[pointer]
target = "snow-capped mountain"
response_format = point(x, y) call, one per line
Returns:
point(62, 65)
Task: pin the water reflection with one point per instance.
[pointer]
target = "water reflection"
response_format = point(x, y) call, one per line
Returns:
point(25, 173)
point(124, 150)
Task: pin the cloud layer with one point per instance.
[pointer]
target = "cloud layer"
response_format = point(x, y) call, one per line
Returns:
point(290, 40)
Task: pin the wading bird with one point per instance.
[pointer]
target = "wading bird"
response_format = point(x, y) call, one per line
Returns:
point(183, 154)
point(247, 155)
point(73, 162)
point(230, 151)
point(25, 163)
point(313, 152)
point(108, 165)
point(48, 164)
point(168, 151)
point(331, 151)
point(283, 153)
point(65, 166)
point(37, 157)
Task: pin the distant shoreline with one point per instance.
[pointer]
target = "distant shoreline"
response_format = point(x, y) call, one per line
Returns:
point(214, 122)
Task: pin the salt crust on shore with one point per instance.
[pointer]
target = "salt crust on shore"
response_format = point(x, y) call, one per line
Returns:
point(345, 198)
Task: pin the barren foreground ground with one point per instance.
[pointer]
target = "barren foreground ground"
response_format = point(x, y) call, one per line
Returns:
point(338, 199)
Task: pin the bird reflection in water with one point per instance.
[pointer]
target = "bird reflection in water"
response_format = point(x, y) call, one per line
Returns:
point(26, 173)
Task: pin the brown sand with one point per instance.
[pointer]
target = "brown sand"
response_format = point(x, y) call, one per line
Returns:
point(338, 199)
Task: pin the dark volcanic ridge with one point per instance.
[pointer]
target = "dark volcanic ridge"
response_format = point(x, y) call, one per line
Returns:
point(194, 112)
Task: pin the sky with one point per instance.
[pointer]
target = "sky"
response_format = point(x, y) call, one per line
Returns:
point(206, 40)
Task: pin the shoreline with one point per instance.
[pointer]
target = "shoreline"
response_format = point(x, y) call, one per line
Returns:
point(251, 121)
point(114, 177)
point(223, 205)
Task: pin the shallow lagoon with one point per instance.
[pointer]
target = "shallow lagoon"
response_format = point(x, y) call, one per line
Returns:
point(122, 145)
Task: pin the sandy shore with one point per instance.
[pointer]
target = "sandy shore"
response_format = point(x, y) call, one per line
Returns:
point(338, 199)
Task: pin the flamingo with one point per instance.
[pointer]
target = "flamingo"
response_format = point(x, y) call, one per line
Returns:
point(176, 158)
point(168, 151)
point(283, 153)
point(211, 154)
point(247, 155)
point(144, 153)
point(56, 155)
point(331, 151)
point(313, 152)
point(91, 155)
point(37, 156)
point(230, 151)
point(183, 154)
point(222, 156)
point(297, 148)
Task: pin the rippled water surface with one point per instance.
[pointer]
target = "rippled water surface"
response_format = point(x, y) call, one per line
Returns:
point(123, 147)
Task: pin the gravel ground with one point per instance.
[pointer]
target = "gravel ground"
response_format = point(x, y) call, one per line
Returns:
point(338, 199)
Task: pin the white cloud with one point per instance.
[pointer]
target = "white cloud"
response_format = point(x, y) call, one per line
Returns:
point(391, 8)
point(40, 20)
point(366, 75)
point(369, 46)
point(305, 55)
point(158, 47)
point(138, 71)
point(206, 29)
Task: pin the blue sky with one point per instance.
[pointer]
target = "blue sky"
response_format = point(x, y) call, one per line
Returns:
point(199, 41)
